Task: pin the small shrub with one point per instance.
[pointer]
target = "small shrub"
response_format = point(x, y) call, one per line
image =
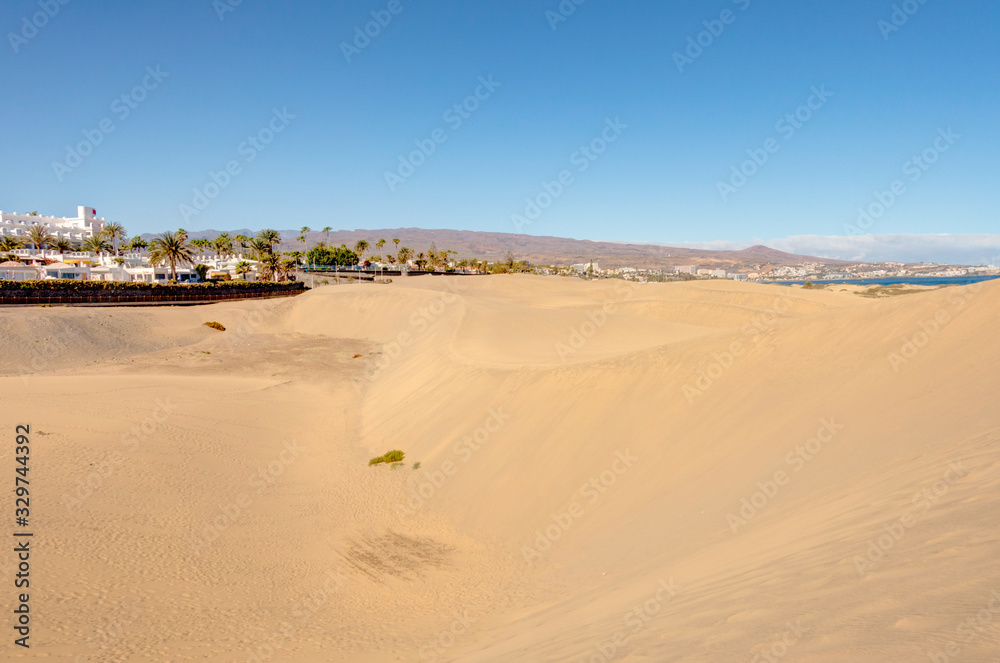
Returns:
point(395, 465)
point(215, 325)
point(389, 457)
point(416, 466)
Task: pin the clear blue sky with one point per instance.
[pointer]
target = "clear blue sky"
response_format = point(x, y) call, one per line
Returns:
point(657, 182)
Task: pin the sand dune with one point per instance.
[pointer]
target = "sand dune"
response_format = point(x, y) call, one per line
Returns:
point(705, 471)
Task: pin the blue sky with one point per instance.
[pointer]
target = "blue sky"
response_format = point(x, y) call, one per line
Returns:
point(555, 85)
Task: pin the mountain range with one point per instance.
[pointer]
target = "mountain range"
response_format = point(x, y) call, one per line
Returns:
point(543, 250)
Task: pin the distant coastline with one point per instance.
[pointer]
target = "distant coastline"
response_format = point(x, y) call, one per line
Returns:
point(897, 280)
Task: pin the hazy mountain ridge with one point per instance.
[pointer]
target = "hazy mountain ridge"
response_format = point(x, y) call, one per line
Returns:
point(542, 250)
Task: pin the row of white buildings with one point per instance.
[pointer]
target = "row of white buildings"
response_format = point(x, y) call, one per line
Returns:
point(35, 263)
point(133, 267)
point(76, 229)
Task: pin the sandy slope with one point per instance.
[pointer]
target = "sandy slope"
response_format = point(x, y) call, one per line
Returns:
point(585, 449)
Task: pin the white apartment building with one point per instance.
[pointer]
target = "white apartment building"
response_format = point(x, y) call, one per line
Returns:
point(85, 224)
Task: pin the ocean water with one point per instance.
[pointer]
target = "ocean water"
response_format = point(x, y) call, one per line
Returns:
point(894, 280)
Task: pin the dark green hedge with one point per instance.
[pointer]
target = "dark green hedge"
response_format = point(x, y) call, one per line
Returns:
point(68, 291)
point(73, 287)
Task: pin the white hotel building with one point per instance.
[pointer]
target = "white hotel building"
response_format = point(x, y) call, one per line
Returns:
point(85, 224)
point(84, 266)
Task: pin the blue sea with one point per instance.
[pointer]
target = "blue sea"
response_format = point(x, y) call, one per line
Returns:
point(912, 280)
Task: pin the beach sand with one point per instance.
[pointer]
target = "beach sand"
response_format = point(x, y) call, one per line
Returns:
point(702, 471)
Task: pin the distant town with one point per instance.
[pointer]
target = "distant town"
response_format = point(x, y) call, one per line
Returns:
point(764, 272)
point(89, 247)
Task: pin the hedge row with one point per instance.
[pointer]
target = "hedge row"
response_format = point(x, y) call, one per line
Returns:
point(71, 286)
point(114, 292)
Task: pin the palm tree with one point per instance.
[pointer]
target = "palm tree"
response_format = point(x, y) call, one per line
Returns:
point(243, 241)
point(288, 266)
point(170, 248)
point(114, 232)
point(379, 244)
point(296, 256)
point(183, 234)
point(421, 261)
point(62, 245)
point(40, 236)
point(360, 248)
point(137, 244)
point(243, 268)
point(8, 244)
point(270, 236)
point(96, 244)
point(302, 236)
point(395, 240)
point(258, 248)
point(223, 245)
point(270, 264)
point(404, 255)
point(327, 230)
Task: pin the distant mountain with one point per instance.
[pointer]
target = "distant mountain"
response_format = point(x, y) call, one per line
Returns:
point(541, 250)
